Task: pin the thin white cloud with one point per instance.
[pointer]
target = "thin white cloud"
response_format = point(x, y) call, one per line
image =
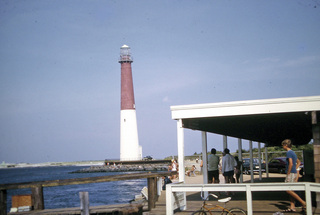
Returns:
point(306, 60)
point(269, 60)
point(166, 99)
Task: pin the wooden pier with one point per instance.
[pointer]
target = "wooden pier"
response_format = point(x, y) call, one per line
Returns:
point(38, 198)
point(264, 203)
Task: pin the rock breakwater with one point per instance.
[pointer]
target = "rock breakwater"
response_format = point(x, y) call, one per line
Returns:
point(124, 168)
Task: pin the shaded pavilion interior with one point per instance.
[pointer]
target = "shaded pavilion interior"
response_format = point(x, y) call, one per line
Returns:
point(267, 121)
point(270, 129)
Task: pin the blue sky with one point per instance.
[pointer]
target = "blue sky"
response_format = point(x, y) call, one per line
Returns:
point(60, 76)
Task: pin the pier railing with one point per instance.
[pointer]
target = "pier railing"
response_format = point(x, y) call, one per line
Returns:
point(308, 187)
point(37, 187)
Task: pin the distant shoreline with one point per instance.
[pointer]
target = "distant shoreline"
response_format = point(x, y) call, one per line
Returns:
point(48, 164)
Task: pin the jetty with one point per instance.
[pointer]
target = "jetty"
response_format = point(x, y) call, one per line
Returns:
point(128, 166)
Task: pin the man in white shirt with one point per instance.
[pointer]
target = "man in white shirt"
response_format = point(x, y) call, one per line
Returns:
point(228, 165)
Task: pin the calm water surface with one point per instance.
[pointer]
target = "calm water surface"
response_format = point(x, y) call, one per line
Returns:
point(107, 193)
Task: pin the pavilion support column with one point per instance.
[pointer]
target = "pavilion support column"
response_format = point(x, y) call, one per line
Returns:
point(259, 157)
point(204, 156)
point(240, 158)
point(180, 137)
point(225, 142)
point(266, 156)
point(251, 160)
point(316, 149)
point(205, 160)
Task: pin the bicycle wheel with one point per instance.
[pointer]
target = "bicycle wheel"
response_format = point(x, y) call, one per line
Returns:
point(235, 211)
point(199, 212)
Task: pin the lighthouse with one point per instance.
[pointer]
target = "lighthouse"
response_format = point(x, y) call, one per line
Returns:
point(129, 141)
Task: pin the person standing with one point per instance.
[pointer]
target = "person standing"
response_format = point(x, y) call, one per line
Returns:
point(213, 167)
point(291, 171)
point(238, 169)
point(174, 168)
point(228, 165)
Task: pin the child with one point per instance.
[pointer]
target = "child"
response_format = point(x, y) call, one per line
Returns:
point(193, 168)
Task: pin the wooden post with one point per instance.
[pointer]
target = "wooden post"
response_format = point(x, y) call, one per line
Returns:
point(152, 193)
point(3, 202)
point(84, 203)
point(37, 197)
point(156, 196)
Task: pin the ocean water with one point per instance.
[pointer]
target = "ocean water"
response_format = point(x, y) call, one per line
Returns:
point(108, 193)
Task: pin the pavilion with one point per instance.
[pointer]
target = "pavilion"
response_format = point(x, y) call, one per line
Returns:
point(267, 121)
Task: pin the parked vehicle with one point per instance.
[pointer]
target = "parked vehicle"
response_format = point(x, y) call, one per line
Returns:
point(246, 165)
point(148, 158)
point(279, 165)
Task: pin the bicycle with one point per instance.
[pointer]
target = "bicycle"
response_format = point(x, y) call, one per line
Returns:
point(224, 211)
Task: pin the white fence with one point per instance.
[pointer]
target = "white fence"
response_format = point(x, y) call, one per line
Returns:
point(248, 188)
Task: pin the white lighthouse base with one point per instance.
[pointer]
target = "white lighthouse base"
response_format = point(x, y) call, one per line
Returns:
point(129, 141)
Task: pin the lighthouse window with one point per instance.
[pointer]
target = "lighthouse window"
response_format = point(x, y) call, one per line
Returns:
point(124, 120)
